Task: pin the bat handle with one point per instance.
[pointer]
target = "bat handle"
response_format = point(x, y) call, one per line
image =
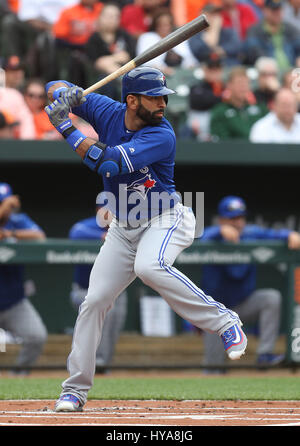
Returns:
point(119, 72)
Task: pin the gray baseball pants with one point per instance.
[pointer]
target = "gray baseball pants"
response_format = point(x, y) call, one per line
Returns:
point(262, 306)
point(23, 321)
point(113, 324)
point(148, 253)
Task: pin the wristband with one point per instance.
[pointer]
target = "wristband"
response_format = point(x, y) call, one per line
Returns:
point(61, 128)
point(74, 138)
point(72, 135)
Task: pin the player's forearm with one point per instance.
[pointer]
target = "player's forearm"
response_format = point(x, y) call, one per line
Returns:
point(22, 234)
point(83, 147)
point(27, 234)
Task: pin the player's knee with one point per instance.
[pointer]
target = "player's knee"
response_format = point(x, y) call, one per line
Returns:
point(273, 298)
point(38, 336)
point(99, 300)
point(145, 269)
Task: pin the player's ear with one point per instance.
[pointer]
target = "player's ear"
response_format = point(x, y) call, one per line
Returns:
point(132, 101)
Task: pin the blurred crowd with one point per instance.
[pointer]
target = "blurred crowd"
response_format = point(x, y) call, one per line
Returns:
point(239, 79)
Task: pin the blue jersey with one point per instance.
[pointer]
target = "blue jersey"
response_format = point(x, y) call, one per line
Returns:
point(147, 156)
point(86, 229)
point(12, 276)
point(232, 284)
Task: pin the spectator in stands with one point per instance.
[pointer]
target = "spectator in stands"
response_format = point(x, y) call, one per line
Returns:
point(291, 12)
point(95, 228)
point(109, 47)
point(238, 16)
point(216, 39)
point(180, 56)
point(14, 73)
point(282, 124)
point(17, 314)
point(186, 10)
point(7, 126)
point(29, 18)
point(237, 283)
point(257, 5)
point(268, 81)
point(13, 102)
point(204, 95)
point(291, 80)
point(71, 31)
point(272, 37)
point(234, 117)
point(36, 100)
point(75, 24)
point(136, 18)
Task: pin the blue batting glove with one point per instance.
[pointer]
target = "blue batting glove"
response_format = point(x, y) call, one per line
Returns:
point(72, 96)
point(58, 113)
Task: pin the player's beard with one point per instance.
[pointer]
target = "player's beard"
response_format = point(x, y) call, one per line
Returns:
point(150, 118)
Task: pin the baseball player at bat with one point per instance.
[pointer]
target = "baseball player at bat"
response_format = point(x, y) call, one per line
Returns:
point(135, 156)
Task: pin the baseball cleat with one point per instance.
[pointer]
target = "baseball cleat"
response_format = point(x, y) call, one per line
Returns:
point(68, 403)
point(235, 342)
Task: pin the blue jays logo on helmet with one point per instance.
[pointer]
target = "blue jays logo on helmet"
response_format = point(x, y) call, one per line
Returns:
point(145, 80)
point(232, 206)
point(5, 191)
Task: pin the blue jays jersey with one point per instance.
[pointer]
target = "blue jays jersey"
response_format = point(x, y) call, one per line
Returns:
point(86, 229)
point(232, 284)
point(12, 276)
point(146, 183)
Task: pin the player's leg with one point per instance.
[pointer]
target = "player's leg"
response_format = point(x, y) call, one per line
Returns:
point(24, 322)
point(213, 355)
point(112, 272)
point(263, 307)
point(156, 253)
point(113, 324)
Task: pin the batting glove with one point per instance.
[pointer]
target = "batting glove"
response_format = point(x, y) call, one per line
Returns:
point(58, 113)
point(72, 96)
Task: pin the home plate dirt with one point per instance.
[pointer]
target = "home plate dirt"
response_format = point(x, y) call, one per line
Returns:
point(153, 413)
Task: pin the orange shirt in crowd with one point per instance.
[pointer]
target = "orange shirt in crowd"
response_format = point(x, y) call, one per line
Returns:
point(77, 23)
point(13, 5)
point(43, 127)
point(194, 7)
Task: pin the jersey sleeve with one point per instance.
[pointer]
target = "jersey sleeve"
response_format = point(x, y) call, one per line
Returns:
point(23, 221)
point(150, 146)
point(81, 231)
point(211, 233)
point(269, 233)
point(96, 110)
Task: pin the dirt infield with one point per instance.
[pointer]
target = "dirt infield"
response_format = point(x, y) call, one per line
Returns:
point(153, 413)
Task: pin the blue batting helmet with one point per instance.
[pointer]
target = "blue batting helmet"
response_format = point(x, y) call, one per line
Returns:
point(145, 80)
point(5, 191)
point(232, 206)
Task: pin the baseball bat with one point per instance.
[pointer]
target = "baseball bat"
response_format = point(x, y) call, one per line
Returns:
point(173, 39)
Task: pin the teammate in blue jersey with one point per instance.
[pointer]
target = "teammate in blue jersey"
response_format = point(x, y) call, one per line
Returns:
point(17, 314)
point(236, 284)
point(93, 229)
point(135, 156)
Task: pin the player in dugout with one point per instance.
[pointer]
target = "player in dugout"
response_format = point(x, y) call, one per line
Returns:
point(17, 314)
point(237, 283)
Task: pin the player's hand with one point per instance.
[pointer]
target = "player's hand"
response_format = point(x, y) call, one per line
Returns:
point(11, 203)
point(5, 233)
point(72, 96)
point(294, 240)
point(58, 113)
point(229, 233)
